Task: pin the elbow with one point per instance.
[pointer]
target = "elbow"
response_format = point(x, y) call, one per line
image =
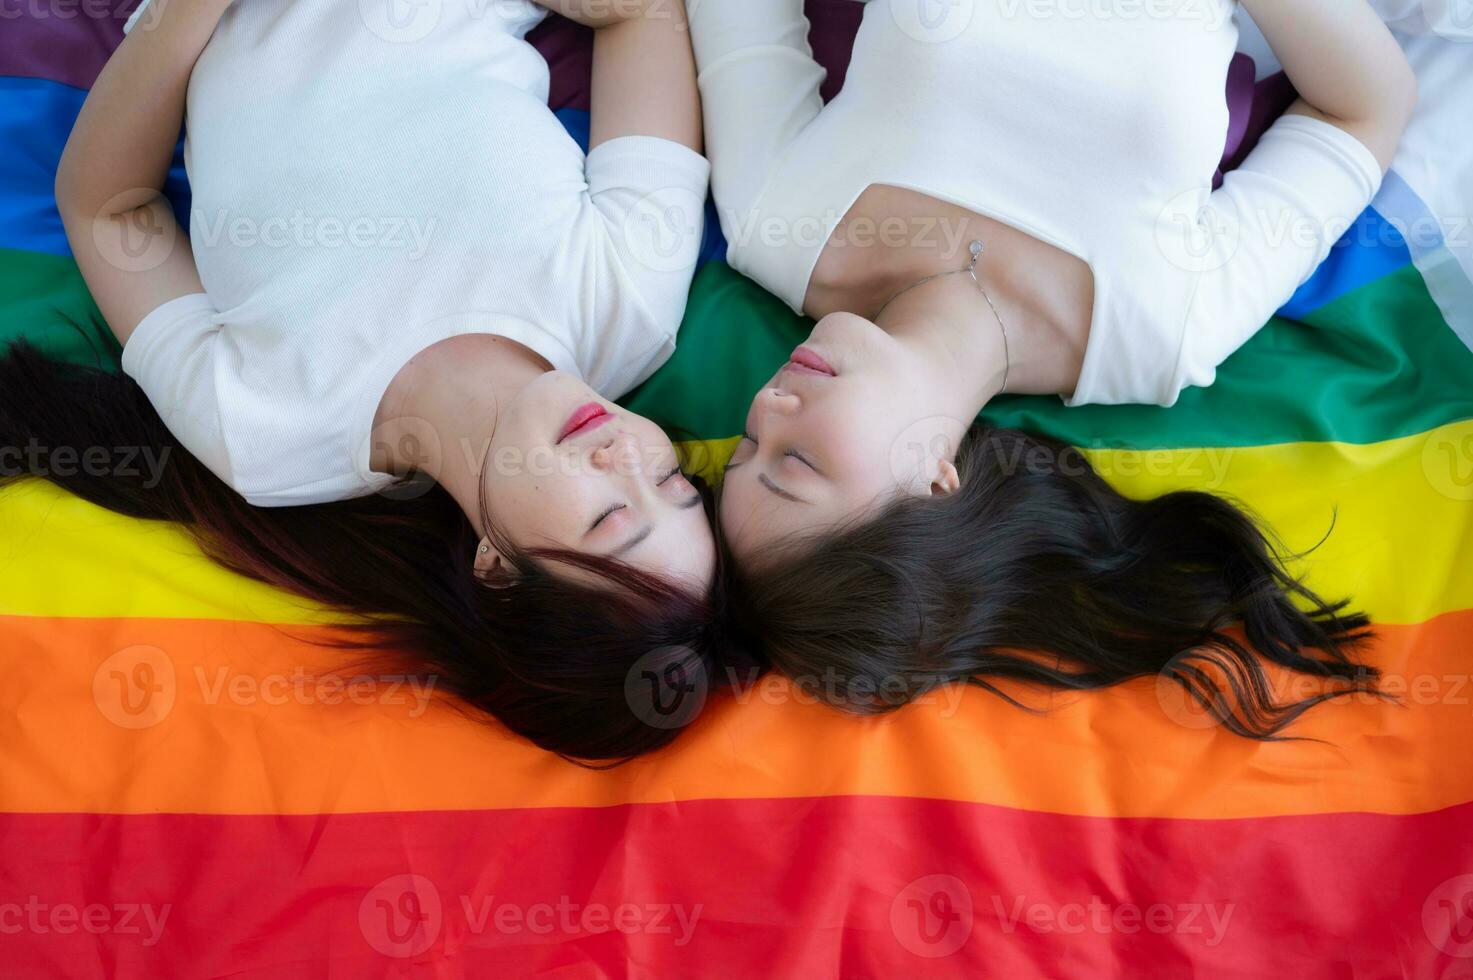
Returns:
point(67, 186)
point(76, 188)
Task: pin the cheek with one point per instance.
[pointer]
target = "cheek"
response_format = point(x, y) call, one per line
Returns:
point(741, 527)
point(735, 503)
point(535, 505)
point(853, 436)
point(741, 502)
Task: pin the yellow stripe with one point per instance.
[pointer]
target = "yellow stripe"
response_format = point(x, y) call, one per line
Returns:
point(1402, 515)
point(707, 457)
point(1399, 547)
point(61, 556)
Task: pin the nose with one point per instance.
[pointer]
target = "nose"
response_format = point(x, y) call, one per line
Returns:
point(620, 446)
point(778, 402)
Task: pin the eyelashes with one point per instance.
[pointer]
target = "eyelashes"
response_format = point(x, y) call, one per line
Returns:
point(604, 516)
point(801, 458)
point(614, 509)
point(791, 452)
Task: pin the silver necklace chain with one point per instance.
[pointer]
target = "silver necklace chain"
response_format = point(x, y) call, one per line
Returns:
point(976, 249)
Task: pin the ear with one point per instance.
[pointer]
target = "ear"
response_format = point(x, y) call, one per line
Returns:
point(491, 566)
point(947, 481)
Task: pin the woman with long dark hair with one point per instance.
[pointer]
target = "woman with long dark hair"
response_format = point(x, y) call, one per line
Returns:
point(1019, 198)
point(383, 360)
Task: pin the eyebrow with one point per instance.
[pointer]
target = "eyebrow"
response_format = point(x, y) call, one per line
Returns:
point(762, 478)
point(633, 542)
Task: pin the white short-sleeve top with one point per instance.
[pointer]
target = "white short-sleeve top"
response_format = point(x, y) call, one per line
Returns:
point(370, 178)
point(1093, 125)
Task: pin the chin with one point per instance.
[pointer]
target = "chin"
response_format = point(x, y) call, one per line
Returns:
point(847, 337)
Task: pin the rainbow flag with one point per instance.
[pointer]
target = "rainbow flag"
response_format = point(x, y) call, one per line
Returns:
point(189, 786)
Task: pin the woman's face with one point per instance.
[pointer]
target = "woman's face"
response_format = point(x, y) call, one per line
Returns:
point(838, 432)
point(569, 470)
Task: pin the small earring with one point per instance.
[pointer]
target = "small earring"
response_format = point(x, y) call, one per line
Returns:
point(484, 549)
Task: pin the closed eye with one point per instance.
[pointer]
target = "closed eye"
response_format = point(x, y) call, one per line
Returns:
point(795, 454)
point(668, 477)
point(802, 459)
point(732, 462)
point(603, 517)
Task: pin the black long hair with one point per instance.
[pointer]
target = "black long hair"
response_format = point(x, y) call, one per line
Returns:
point(550, 658)
point(1037, 570)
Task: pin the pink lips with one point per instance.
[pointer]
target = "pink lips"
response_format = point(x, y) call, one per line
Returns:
point(805, 361)
point(585, 418)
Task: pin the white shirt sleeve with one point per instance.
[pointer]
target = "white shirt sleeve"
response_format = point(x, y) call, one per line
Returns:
point(1271, 223)
point(171, 354)
point(759, 89)
point(651, 195)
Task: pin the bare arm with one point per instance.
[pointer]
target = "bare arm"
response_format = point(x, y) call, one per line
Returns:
point(644, 77)
point(1348, 69)
point(122, 232)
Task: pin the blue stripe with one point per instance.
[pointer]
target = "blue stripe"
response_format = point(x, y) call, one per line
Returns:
point(1369, 250)
point(36, 117)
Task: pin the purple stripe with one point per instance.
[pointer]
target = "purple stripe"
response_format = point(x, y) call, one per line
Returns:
point(1264, 102)
point(65, 41)
point(568, 50)
point(833, 25)
point(68, 41)
point(1239, 103)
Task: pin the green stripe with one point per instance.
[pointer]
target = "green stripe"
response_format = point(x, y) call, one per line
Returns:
point(734, 337)
point(43, 299)
point(1376, 364)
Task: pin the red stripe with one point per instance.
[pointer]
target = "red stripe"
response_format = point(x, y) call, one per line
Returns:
point(786, 887)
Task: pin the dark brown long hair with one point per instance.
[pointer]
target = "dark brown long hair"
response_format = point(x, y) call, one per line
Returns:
point(560, 663)
point(1037, 570)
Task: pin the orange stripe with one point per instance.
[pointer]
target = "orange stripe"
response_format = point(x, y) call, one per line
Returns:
point(227, 730)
